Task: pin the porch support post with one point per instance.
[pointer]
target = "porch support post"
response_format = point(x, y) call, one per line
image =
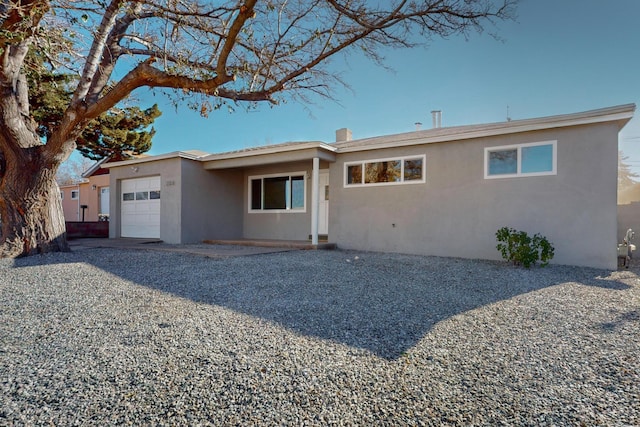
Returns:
point(315, 202)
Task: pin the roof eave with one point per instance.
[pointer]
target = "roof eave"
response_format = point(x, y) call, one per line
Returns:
point(621, 114)
point(167, 156)
point(273, 149)
point(97, 165)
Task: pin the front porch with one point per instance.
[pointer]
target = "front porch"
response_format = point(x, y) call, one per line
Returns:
point(284, 181)
point(272, 243)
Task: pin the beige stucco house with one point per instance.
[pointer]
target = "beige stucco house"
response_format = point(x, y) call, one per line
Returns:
point(442, 191)
point(92, 193)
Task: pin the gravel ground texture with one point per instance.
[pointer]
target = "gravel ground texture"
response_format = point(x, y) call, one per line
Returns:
point(139, 337)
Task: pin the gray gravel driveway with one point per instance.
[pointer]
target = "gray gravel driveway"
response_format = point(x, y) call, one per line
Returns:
point(119, 336)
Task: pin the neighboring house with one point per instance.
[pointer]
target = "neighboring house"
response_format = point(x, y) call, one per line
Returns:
point(442, 191)
point(70, 194)
point(628, 210)
point(92, 193)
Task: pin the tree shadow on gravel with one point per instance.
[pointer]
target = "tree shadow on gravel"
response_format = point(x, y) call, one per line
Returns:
point(383, 303)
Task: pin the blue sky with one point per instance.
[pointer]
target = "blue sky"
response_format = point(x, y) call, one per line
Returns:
point(559, 56)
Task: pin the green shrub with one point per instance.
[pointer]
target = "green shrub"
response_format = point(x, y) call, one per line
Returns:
point(521, 249)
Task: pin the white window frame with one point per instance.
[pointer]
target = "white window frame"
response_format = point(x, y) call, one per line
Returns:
point(61, 195)
point(77, 194)
point(402, 159)
point(288, 209)
point(518, 148)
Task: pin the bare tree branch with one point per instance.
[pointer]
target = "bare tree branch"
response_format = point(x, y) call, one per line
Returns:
point(228, 51)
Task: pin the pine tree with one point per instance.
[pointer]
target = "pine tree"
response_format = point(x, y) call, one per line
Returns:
point(116, 134)
point(208, 53)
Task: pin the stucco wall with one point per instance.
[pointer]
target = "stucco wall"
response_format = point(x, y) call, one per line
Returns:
point(170, 205)
point(91, 197)
point(283, 225)
point(70, 206)
point(456, 212)
point(196, 204)
point(212, 203)
point(87, 196)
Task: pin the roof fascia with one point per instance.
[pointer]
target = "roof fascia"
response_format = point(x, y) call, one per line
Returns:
point(266, 157)
point(172, 155)
point(621, 114)
point(271, 149)
point(94, 168)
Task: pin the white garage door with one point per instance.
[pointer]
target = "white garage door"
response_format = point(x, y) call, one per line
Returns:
point(140, 212)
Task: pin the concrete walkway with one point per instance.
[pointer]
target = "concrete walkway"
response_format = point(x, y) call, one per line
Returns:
point(213, 250)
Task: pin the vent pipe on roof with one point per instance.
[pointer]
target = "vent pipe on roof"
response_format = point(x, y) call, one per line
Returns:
point(436, 116)
point(343, 134)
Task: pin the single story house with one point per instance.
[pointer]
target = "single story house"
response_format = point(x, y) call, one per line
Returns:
point(442, 191)
point(92, 193)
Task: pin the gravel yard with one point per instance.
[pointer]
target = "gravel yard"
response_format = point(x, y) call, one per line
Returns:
point(108, 336)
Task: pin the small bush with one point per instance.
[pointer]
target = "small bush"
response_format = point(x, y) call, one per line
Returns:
point(521, 249)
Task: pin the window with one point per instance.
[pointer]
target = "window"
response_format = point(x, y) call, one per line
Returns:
point(75, 194)
point(385, 171)
point(277, 193)
point(533, 159)
point(62, 195)
point(141, 195)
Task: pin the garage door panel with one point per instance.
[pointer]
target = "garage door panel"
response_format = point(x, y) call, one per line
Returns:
point(149, 183)
point(140, 215)
point(128, 208)
point(142, 208)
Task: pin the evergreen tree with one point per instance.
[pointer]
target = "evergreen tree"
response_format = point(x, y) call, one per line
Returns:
point(117, 134)
point(202, 52)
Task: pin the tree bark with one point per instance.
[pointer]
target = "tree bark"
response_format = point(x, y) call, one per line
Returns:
point(31, 209)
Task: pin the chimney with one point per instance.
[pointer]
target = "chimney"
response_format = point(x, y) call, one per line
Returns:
point(343, 135)
point(436, 115)
point(418, 126)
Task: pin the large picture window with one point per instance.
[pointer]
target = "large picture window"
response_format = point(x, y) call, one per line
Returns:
point(277, 193)
point(400, 170)
point(533, 159)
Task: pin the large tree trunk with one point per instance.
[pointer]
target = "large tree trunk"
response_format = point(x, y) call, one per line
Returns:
point(30, 205)
point(31, 210)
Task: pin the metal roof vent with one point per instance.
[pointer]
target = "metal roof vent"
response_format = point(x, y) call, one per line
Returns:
point(436, 116)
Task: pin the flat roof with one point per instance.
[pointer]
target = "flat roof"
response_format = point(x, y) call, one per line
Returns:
point(188, 154)
point(621, 113)
point(292, 151)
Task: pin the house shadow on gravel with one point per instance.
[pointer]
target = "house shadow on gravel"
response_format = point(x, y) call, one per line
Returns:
point(383, 303)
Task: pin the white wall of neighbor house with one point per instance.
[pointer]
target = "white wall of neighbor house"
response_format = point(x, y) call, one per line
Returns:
point(456, 211)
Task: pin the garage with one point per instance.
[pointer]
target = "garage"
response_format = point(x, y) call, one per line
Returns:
point(140, 207)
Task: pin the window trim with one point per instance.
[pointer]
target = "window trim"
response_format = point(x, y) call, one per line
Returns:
point(401, 159)
point(288, 175)
point(518, 148)
point(77, 194)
